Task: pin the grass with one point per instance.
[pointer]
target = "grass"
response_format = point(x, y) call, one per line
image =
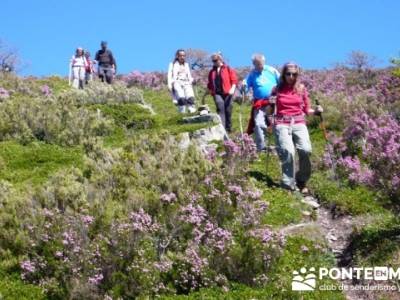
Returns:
point(378, 243)
point(13, 288)
point(34, 163)
point(284, 207)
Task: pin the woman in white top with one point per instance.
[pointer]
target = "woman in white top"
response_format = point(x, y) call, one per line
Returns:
point(78, 68)
point(180, 82)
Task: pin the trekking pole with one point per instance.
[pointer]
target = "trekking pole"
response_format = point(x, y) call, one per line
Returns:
point(325, 132)
point(70, 74)
point(322, 124)
point(240, 114)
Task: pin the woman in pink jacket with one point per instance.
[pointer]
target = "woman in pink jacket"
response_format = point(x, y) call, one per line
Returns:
point(291, 133)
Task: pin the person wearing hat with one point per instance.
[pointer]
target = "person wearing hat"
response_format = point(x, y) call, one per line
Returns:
point(106, 63)
point(78, 65)
point(292, 105)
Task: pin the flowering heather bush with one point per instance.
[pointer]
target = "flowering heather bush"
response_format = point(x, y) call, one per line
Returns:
point(239, 152)
point(369, 152)
point(149, 80)
point(116, 230)
point(158, 80)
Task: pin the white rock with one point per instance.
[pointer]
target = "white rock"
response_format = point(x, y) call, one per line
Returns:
point(312, 203)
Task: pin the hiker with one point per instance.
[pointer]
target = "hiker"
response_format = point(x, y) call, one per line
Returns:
point(77, 68)
point(261, 80)
point(222, 82)
point(89, 70)
point(107, 66)
point(291, 106)
point(180, 82)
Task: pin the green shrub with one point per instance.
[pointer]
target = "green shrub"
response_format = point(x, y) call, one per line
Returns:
point(128, 116)
point(344, 199)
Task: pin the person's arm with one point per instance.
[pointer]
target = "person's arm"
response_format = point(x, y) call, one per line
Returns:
point(307, 104)
point(210, 84)
point(170, 80)
point(233, 79)
point(190, 78)
point(113, 62)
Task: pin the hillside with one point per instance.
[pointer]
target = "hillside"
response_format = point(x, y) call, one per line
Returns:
point(98, 200)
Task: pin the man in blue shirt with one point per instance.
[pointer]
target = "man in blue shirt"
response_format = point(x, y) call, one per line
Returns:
point(261, 80)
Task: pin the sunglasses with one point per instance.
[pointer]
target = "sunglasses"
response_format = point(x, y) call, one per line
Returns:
point(291, 74)
point(215, 60)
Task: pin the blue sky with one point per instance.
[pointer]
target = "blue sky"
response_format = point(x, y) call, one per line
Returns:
point(144, 35)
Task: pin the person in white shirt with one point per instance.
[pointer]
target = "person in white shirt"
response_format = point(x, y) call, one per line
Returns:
point(78, 65)
point(180, 82)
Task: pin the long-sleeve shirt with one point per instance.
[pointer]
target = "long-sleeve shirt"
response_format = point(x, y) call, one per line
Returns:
point(105, 58)
point(179, 72)
point(290, 103)
point(78, 61)
point(262, 82)
point(227, 77)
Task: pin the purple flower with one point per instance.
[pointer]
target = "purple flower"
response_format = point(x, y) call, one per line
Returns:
point(141, 221)
point(193, 214)
point(87, 220)
point(4, 94)
point(96, 279)
point(28, 266)
point(168, 198)
point(46, 90)
point(235, 189)
point(263, 234)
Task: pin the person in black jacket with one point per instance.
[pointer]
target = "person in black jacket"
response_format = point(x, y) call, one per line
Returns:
point(106, 62)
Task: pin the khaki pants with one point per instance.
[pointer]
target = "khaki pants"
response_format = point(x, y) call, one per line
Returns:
point(288, 139)
point(78, 74)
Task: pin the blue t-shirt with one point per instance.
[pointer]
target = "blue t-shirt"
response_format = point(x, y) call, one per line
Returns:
point(262, 82)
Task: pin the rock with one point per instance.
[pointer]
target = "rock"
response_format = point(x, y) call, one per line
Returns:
point(206, 135)
point(204, 118)
point(306, 213)
point(184, 140)
point(310, 201)
point(331, 237)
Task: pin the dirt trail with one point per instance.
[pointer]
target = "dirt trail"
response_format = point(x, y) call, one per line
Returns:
point(337, 232)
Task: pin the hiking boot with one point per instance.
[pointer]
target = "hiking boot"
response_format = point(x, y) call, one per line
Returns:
point(302, 187)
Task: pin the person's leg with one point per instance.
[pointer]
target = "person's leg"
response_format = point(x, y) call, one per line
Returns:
point(189, 96)
point(286, 153)
point(109, 75)
point(75, 76)
point(220, 105)
point(180, 95)
point(81, 77)
point(259, 128)
point(101, 73)
point(228, 112)
point(303, 145)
